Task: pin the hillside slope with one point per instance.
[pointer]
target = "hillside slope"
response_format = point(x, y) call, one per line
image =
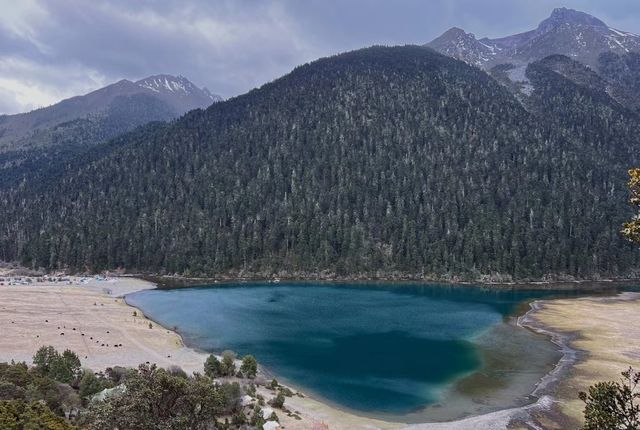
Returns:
point(41, 140)
point(383, 161)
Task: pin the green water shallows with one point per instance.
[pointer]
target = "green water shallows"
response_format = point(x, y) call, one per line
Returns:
point(380, 348)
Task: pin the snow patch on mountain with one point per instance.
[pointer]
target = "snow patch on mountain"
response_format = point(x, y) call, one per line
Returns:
point(171, 84)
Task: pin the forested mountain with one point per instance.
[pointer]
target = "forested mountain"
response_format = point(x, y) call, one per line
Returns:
point(48, 137)
point(381, 162)
point(622, 72)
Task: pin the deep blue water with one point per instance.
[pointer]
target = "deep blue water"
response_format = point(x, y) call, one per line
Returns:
point(384, 348)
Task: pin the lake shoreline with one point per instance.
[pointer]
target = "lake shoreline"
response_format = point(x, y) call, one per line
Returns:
point(600, 337)
point(90, 317)
point(169, 282)
point(557, 405)
point(316, 408)
point(544, 409)
point(542, 406)
point(548, 385)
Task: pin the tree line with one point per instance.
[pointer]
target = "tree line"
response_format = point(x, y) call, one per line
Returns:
point(388, 162)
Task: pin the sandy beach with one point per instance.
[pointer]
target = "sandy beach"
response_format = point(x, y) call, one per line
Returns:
point(604, 333)
point(90, 316)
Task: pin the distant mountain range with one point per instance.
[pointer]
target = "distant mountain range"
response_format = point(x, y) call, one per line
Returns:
point(176, 95)
point(36, 140)
point(611, 53)
point(575, 34)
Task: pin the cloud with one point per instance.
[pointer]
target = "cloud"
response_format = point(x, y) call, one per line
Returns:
point(33, 84)
point(52, 50)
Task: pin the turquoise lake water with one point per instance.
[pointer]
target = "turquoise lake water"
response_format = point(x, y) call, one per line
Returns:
point(440, 352)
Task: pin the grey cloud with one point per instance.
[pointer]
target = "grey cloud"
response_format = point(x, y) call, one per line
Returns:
point(231, 46)
point(8, 102)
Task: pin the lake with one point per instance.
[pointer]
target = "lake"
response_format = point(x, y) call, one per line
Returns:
point(386, 350)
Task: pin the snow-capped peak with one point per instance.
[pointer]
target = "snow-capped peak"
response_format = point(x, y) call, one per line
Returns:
point(178, 91)
point(168, 83)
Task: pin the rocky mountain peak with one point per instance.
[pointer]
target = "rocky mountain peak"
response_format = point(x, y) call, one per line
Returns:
point(562, 15)
point(568, 32)
point(464, 46)
point(455, 32)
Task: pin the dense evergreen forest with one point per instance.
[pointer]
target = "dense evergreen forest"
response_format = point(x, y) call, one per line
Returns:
point(389, 162)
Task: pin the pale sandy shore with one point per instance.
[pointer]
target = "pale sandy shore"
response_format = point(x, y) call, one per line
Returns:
point(89, 318)
point(94, 318)
point(603, 332)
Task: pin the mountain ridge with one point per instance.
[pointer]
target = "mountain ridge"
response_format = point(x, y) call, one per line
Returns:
point(45, 139)
point(16, 126)
point(566, 31)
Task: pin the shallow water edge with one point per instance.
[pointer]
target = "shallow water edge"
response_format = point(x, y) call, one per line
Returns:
point(167, 282)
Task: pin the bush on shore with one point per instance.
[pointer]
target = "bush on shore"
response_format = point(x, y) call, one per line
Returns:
point(57, 394)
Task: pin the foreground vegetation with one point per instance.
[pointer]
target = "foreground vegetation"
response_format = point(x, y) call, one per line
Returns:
point(613, 405)
point(57, 394)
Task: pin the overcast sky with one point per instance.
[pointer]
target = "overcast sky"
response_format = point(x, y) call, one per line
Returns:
point(54, 49)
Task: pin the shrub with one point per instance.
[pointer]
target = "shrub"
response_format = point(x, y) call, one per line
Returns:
point(613, 405)
point(9, 391)
point(278, 401)
point(212, 367)
point(231, 395)
point(249, 366)
point(228, 363)
point(177, 371)
point(63, 367)
point(251, 389)
point(90, 384)
point(20, 415)
point(156, 399)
